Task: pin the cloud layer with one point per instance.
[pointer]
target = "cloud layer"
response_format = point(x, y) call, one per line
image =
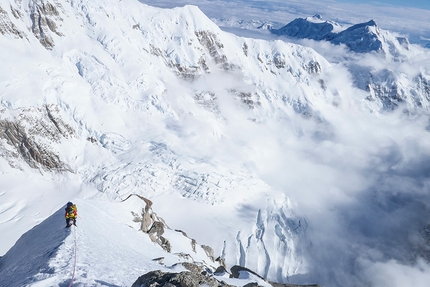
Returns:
point(409, 21)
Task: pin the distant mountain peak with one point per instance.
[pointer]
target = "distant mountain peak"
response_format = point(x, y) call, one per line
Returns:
point(361, 38)
point(361, 25)
point(311, 28)
point(316, 17)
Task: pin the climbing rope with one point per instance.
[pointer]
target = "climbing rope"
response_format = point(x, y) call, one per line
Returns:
point(74, 255)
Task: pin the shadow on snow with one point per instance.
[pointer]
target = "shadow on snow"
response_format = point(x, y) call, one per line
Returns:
point(31, 253)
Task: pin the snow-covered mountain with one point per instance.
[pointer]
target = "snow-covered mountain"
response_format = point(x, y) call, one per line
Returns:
point(311, 28)
point(386, 86)
point(257, 149)
point(51, 255)
point(361, 38)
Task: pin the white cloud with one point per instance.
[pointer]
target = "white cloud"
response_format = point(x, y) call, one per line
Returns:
point(395, 274)
point(410, 21)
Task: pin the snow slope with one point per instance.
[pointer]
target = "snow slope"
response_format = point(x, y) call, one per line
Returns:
point(115, 82)
point(44, 256)
point(95, 253)
point(279, 158)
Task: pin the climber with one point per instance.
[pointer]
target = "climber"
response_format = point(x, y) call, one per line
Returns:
point(71, 214)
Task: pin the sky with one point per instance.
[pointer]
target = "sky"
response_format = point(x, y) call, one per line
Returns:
point(422, 4)
point(404, 17)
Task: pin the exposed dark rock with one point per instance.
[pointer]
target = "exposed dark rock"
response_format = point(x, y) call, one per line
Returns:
point(155, 226)
point(208, 100)
point(245, 49)
point(422, 96)
point(7, 26)
point(151, 223)
point(186, 72)
point(236, 269)
point(209, 251)
point(220, 270)
point(193, 244)
point(189, 72)
point(279, 60)
point(221, 262)
point(16, 13)
point(181, 279)
point(45, 18)
point(252, 100)
point(198, 273)
point(210, 41)
point(387, 88)
point(313, 67)
point(196, 268)
point(156, 51)
point(196, 276)
point(29, 135)
point(164, 243)
point(157, 229)
point(92, 140)
point(183, 233)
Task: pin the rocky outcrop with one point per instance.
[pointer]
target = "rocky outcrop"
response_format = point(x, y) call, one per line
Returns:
point(199, 275)
point(181, 279)
point(236, 271)
point(388, 89)
point(214, 46)
point(208, 100)
point(155, 226)
point(7, 27)
point(313, 67)
point(389, 96)
point(45, 18)
point(28, 136)
point(202, 271)
point(152, 224)
point(252, 100)
point(209, 42)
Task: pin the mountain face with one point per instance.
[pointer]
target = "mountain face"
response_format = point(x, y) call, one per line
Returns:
point(360, 38)
point(314, 28)
point(98, 96)
point(240, 143)
point(384, 86)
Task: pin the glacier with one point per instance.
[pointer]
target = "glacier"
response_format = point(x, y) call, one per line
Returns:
point(304, 162)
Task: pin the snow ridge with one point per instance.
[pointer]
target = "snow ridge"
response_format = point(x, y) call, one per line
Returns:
point(361, 38)
point(95, 252)
point(219, 131)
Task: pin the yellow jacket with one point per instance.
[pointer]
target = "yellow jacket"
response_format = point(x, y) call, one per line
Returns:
point(72, 213)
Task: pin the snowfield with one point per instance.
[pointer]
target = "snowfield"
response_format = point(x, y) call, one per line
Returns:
point(306, 163)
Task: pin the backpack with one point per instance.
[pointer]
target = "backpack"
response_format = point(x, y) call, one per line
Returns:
point(71, 211)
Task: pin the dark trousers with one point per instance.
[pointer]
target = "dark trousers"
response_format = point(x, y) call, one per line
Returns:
point(70, 221)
